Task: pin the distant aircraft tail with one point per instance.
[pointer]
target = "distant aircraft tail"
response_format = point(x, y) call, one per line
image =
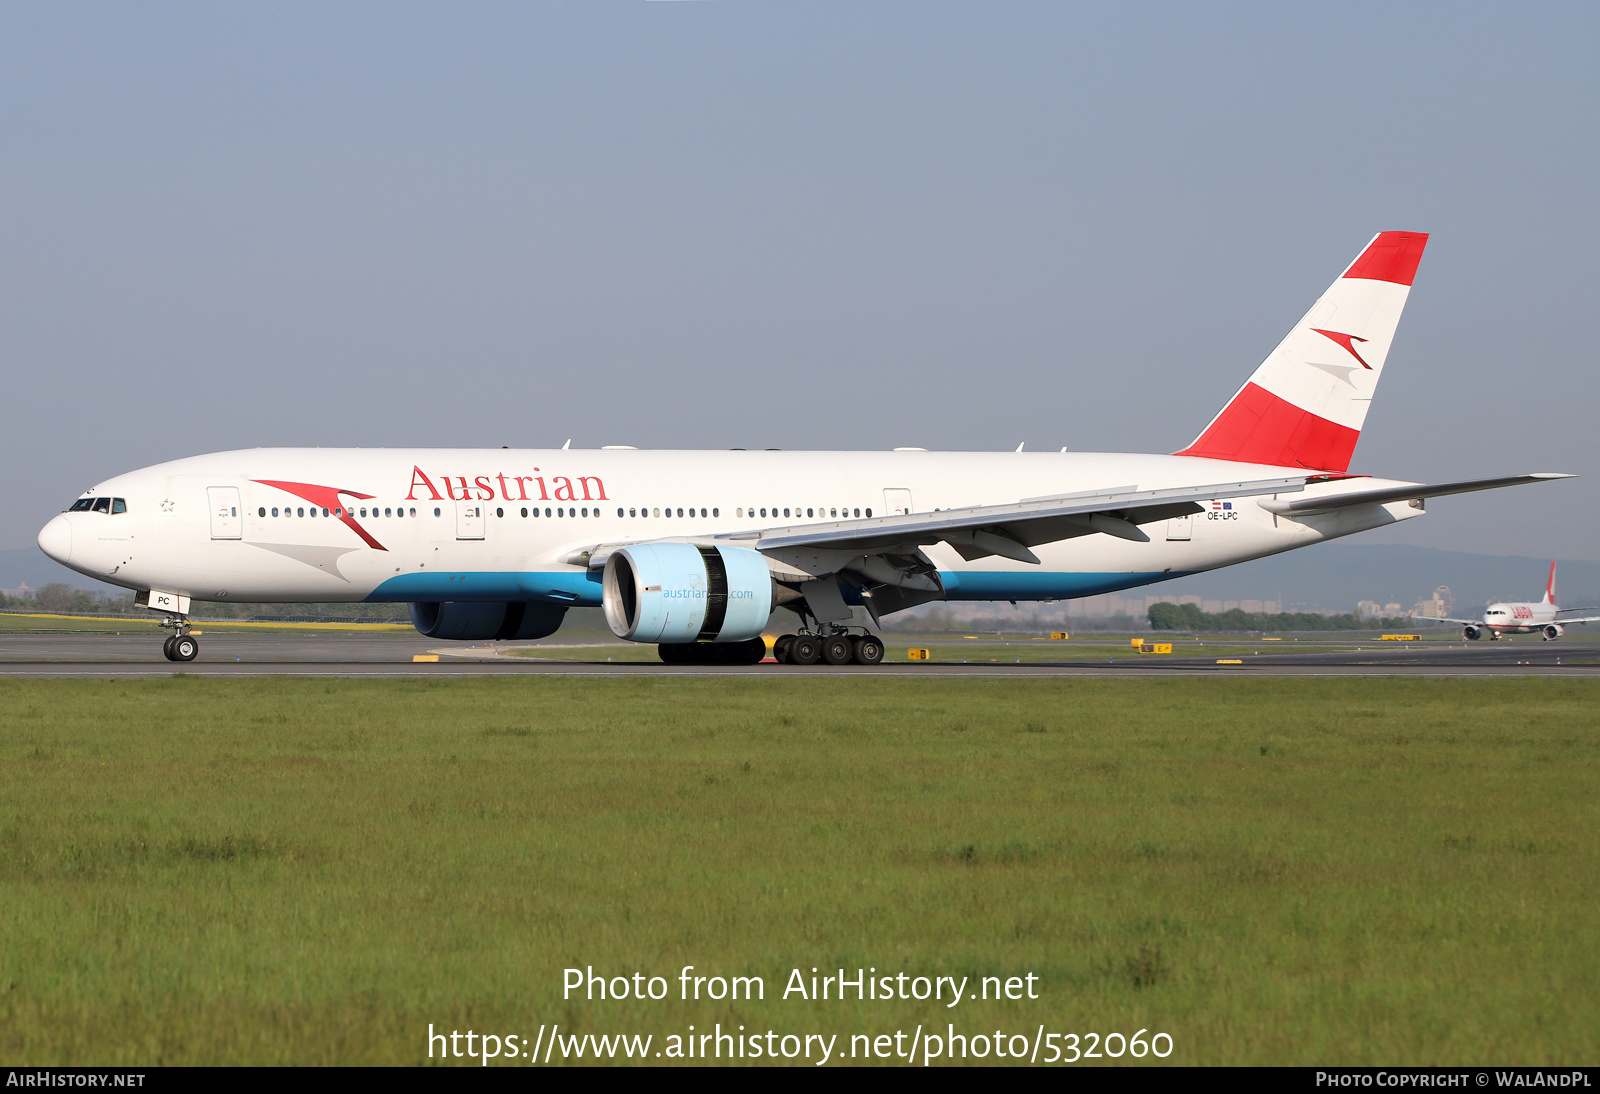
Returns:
point(1550, 586)
point(1305, 405)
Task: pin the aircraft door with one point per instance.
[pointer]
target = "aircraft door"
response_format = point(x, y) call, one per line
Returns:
point(227, 522)
point(1179, 527)
point(897, 503)
point(469, 520)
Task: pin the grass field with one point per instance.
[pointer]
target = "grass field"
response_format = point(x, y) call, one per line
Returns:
point(1309, 871)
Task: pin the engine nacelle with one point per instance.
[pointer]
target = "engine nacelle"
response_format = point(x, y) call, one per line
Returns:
point(1553, 632)
point(497, 621)
point(1471, 633)
point(684, 592)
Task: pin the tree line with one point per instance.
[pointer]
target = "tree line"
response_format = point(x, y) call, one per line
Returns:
point(59, 597)
point(1189, 617)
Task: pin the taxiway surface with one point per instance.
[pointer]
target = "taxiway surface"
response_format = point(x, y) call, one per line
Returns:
point(390, 655)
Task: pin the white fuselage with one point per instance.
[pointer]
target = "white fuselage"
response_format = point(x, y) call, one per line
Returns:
point(1520, 618)
point(320, 525)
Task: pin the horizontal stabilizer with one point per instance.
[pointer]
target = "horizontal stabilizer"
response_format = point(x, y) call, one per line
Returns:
point(1328, 504)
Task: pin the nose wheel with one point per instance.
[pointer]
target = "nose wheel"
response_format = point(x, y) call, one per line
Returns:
point(181, 647)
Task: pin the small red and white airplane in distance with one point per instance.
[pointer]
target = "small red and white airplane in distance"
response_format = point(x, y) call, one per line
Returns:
point(1520, 618)
point(498, 543)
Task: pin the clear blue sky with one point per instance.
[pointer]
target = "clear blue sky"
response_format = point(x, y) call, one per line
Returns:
point(797, 225)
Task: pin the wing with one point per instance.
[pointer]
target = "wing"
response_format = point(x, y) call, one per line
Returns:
point(1418, 492)
point(886, 551)
point(1441, 619)
point(1585, 619)
point(1009, 530)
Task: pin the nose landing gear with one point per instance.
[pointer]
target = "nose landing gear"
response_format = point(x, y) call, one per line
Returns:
point(180, 645)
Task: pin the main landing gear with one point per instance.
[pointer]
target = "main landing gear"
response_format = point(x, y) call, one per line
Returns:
point(180, 645)
point(837, 647)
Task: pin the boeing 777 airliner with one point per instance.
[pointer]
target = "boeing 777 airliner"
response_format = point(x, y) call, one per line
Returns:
point(693, 550)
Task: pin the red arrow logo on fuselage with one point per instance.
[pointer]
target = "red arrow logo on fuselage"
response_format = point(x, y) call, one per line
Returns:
point(1345, 340)
point(327, 497)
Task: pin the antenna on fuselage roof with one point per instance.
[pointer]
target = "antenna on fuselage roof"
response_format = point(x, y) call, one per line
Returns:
point(567, 445)
point(1019, 447)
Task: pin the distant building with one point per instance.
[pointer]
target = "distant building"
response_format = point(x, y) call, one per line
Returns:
point(1439, 605)
point(21, 592)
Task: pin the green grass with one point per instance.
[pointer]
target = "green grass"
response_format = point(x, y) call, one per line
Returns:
point(1287, 872)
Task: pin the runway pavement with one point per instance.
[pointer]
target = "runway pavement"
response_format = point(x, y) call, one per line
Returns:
point(390, 655)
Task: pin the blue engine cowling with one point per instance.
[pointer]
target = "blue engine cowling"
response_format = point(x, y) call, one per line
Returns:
point(684, 592)
point(465, 622)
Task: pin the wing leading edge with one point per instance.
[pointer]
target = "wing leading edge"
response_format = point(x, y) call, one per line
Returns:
point(1009, 530)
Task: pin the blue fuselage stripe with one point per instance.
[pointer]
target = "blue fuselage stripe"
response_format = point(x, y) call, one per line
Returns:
point(583, 589)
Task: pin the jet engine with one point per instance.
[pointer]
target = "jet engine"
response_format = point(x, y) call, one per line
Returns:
point(499, 621)
point(684, 592)
point(1553, 632)
point(1471, 633)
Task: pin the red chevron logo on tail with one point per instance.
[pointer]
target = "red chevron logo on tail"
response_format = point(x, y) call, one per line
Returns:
point(1345, 340)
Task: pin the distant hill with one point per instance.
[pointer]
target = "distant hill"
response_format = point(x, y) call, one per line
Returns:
point(1328, 577)
point(1334, 576)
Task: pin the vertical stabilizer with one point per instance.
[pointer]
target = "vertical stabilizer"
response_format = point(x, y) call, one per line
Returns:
point(1550, 586)
point(1305, 405)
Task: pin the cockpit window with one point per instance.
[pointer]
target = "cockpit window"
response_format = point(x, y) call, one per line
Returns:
point(102, 505)
point(81, 505)
point(118, 505)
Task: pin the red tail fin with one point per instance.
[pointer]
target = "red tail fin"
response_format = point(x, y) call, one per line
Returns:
point(1305, 405)
point(1550, 586)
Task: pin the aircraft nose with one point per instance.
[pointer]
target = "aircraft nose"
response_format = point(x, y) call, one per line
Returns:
point(55, 539)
